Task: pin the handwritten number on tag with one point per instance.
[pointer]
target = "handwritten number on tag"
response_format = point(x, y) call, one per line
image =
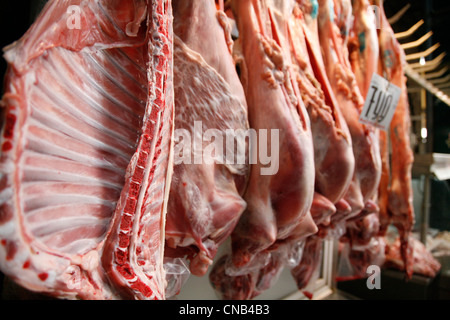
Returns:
point(381, 102)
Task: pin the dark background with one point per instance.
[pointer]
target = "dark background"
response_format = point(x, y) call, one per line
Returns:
point(436, 15)
point(15, 18)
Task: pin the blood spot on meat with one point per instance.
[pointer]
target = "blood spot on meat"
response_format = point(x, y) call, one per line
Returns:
point(9, 126)
point(11, 250)
point(141, 262)
point(43, 276)
point(7, 146)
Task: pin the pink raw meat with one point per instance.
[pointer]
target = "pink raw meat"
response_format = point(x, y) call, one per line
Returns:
point(86, 149)
point(278, 206)
point(334, 28)
point(399, 202)
point(205, 201)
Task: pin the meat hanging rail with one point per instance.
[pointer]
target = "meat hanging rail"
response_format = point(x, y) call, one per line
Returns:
point(436, 83)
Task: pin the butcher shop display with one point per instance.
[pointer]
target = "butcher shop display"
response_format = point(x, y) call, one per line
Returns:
point(140, 137)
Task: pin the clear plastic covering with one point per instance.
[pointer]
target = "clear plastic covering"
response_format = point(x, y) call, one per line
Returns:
point(259, 275)
point(177, 273)
point(354, 260)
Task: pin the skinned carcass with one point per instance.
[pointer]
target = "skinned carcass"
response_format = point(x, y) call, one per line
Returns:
point(333, 157)
point(278, 205)
point(205, 200)
point(86, 150)
point(396, 190)
point(334, 27)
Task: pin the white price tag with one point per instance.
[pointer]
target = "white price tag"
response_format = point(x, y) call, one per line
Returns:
point(381, 101)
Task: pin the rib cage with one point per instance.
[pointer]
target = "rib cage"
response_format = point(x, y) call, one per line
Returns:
point(76, 117)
